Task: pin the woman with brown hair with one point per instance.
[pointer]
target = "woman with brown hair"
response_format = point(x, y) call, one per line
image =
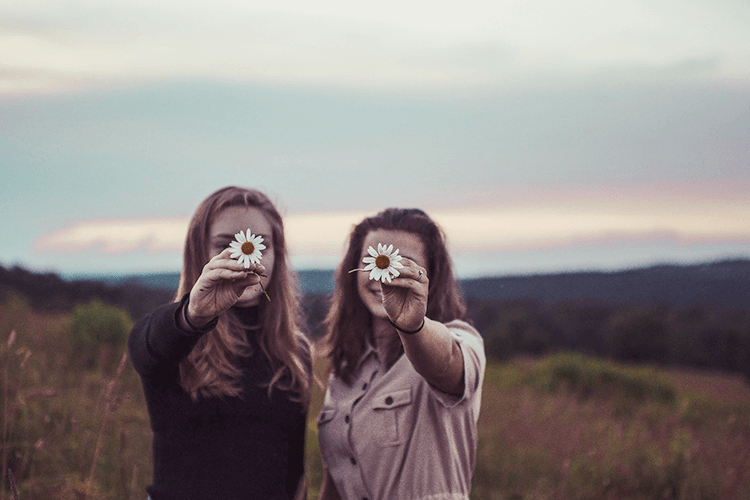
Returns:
point(225, 369)
point(399, 418)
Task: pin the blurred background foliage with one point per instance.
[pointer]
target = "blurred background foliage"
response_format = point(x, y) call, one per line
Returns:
point(582, 398)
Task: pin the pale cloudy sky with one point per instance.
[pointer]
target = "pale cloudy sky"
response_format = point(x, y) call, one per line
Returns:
point(542, 135)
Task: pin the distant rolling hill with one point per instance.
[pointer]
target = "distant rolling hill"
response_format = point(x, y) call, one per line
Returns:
point(312, 282)
point(719, 283)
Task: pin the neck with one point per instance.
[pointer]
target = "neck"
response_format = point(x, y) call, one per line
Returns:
point(249, 316)
point(383, 335)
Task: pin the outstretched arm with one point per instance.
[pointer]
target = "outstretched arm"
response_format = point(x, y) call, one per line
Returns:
point(164, 337)
point(428, 344)
point(436, 356)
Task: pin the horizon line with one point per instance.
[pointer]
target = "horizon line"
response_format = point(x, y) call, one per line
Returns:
point(72, 276)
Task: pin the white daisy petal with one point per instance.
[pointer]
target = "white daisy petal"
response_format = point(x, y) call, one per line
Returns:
point(383, 264)
point(247, 238)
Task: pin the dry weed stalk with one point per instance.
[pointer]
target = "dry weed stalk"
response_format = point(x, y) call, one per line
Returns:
point(13, 490)
point(11, 340)
point(110, 403)
point(134, 482)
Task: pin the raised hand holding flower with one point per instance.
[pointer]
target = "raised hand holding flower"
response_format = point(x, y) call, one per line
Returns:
point(246, 248)
point(383, 264)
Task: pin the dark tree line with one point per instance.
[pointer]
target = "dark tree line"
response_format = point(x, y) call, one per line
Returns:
point(694, 335)
point(49, 292)
point(697, 335)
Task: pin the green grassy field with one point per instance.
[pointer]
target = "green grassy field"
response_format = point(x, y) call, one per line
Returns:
point(559, 427)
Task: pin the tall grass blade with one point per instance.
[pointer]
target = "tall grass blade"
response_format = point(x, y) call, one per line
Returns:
point(108, 401)
point(13, 490)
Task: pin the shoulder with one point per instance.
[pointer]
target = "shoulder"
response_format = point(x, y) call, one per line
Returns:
point(472, 346)
point(463, 330)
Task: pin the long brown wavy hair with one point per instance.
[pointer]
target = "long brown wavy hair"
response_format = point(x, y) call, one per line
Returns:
point(349, 323)
point(209, 369)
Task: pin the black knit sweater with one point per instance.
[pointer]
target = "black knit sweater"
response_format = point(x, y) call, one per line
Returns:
point(247, 447)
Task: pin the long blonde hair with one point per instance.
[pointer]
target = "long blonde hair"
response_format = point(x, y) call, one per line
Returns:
point(209, 369)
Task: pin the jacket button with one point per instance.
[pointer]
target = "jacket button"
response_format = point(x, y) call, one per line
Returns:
point(354, 462)
point(389, 400)
point(346, 419)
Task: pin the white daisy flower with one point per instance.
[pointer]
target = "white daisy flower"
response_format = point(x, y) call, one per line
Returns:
point(247, 248)
point(383, 263)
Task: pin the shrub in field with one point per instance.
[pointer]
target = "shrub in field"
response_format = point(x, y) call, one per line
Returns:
point(14, 311)
point(699, 410)
point(586, 376)
point(96, 323)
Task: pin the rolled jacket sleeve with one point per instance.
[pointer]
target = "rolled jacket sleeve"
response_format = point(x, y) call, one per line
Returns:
point(472, 349)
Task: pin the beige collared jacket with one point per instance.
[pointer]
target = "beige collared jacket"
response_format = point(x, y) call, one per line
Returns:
point(391, 435)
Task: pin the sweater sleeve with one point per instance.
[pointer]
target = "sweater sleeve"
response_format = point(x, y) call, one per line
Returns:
point(156, 341)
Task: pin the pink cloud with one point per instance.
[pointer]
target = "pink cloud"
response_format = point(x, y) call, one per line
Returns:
point(117, 236)
point(685, 222)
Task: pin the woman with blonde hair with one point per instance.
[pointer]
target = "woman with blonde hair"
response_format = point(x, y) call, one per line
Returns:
point(399, 419)
point(225, 369)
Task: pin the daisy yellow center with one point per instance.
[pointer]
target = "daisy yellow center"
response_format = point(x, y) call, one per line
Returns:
point(382, 262)
point(247, 248)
